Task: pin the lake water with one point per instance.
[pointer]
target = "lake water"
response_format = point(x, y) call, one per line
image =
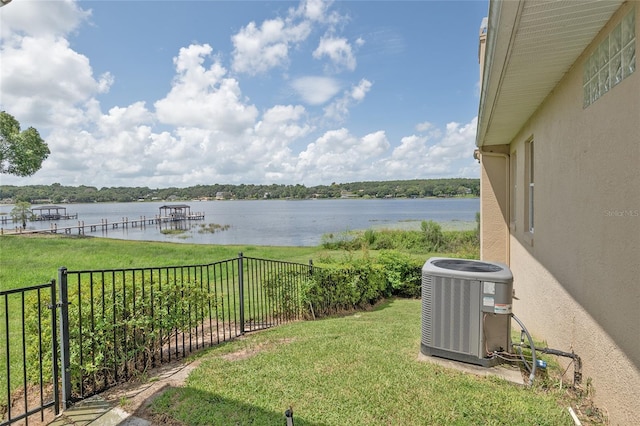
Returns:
point(269, 222)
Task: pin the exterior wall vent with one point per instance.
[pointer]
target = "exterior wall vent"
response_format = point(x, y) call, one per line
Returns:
point(466, 307)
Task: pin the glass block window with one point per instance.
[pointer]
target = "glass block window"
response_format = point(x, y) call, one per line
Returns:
point(612, 61)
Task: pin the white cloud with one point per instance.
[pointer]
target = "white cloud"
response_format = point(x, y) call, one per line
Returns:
point(269, 147)
point(113, 150)
point(62, 79)
point(259, 49)
point(340, 156)
point(315, 10)
point(204, 97)
point(374, 144)
point(45, 82)
point(359, 91)
point(315, 90)
point(423, 127)
point(41, 18)
point(283, 121)
point(318, 12)
point(283, 113)
point(339, 52)
point(448, 155)
point(124, 118)
point(338, 110)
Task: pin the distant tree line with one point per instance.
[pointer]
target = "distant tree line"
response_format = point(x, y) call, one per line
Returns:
point(57, 193)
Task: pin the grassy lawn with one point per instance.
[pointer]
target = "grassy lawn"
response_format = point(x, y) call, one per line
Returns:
point(26, 261)
point(362, 369)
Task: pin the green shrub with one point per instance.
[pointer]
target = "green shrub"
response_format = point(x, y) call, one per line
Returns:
point(284, 299)
point(384, 240)
point(369, 237)
point(347, 240)
point(433, 235)
point(400, 240)
point(117, 329)
point(464, 243)
point(340, 287)
point(403, 274)
point(356, 283)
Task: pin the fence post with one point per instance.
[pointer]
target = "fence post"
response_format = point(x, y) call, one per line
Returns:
point(64, 337)
point(54, 348)
point(241, 290)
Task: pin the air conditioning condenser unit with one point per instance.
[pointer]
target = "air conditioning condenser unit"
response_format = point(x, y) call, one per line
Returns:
point(466, 310)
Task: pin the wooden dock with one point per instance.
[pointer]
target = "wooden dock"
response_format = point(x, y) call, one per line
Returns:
point(81, 228)
point(51, 212)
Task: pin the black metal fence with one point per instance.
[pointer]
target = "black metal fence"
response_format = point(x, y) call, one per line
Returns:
point(29, 356)
point(116, 323)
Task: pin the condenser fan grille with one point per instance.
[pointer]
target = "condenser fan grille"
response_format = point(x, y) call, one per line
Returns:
point(466, 265)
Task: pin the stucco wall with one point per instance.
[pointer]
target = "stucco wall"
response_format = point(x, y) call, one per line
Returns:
point(494, 232)
point(578, 279)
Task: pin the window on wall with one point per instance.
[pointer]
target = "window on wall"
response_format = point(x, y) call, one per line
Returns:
point(612, 61)
point(530, 185)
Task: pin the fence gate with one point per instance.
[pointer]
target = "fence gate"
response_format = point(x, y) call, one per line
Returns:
point(28, 361)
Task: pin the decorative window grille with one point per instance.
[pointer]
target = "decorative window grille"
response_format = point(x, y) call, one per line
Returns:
point(612, 61)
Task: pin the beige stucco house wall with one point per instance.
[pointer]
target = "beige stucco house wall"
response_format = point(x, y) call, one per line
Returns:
point(560, 185)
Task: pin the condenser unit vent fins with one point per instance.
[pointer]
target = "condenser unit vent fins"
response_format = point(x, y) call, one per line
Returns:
point(427, 311)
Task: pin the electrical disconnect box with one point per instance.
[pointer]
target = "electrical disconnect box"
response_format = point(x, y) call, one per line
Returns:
point(466, 309)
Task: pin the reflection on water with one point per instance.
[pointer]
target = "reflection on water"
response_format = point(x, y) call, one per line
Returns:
point(262, 222)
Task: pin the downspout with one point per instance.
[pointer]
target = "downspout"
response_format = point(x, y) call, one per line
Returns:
point(507, 179)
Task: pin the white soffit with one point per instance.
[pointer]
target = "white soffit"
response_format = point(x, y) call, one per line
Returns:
point(531, 44)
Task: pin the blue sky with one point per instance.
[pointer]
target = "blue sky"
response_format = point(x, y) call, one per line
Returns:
point(181, 93)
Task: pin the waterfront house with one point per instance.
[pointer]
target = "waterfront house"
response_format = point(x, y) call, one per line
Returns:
point(559, 146)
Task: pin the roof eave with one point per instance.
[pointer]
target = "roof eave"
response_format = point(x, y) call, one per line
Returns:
point(530, 47)
point(503, 19)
